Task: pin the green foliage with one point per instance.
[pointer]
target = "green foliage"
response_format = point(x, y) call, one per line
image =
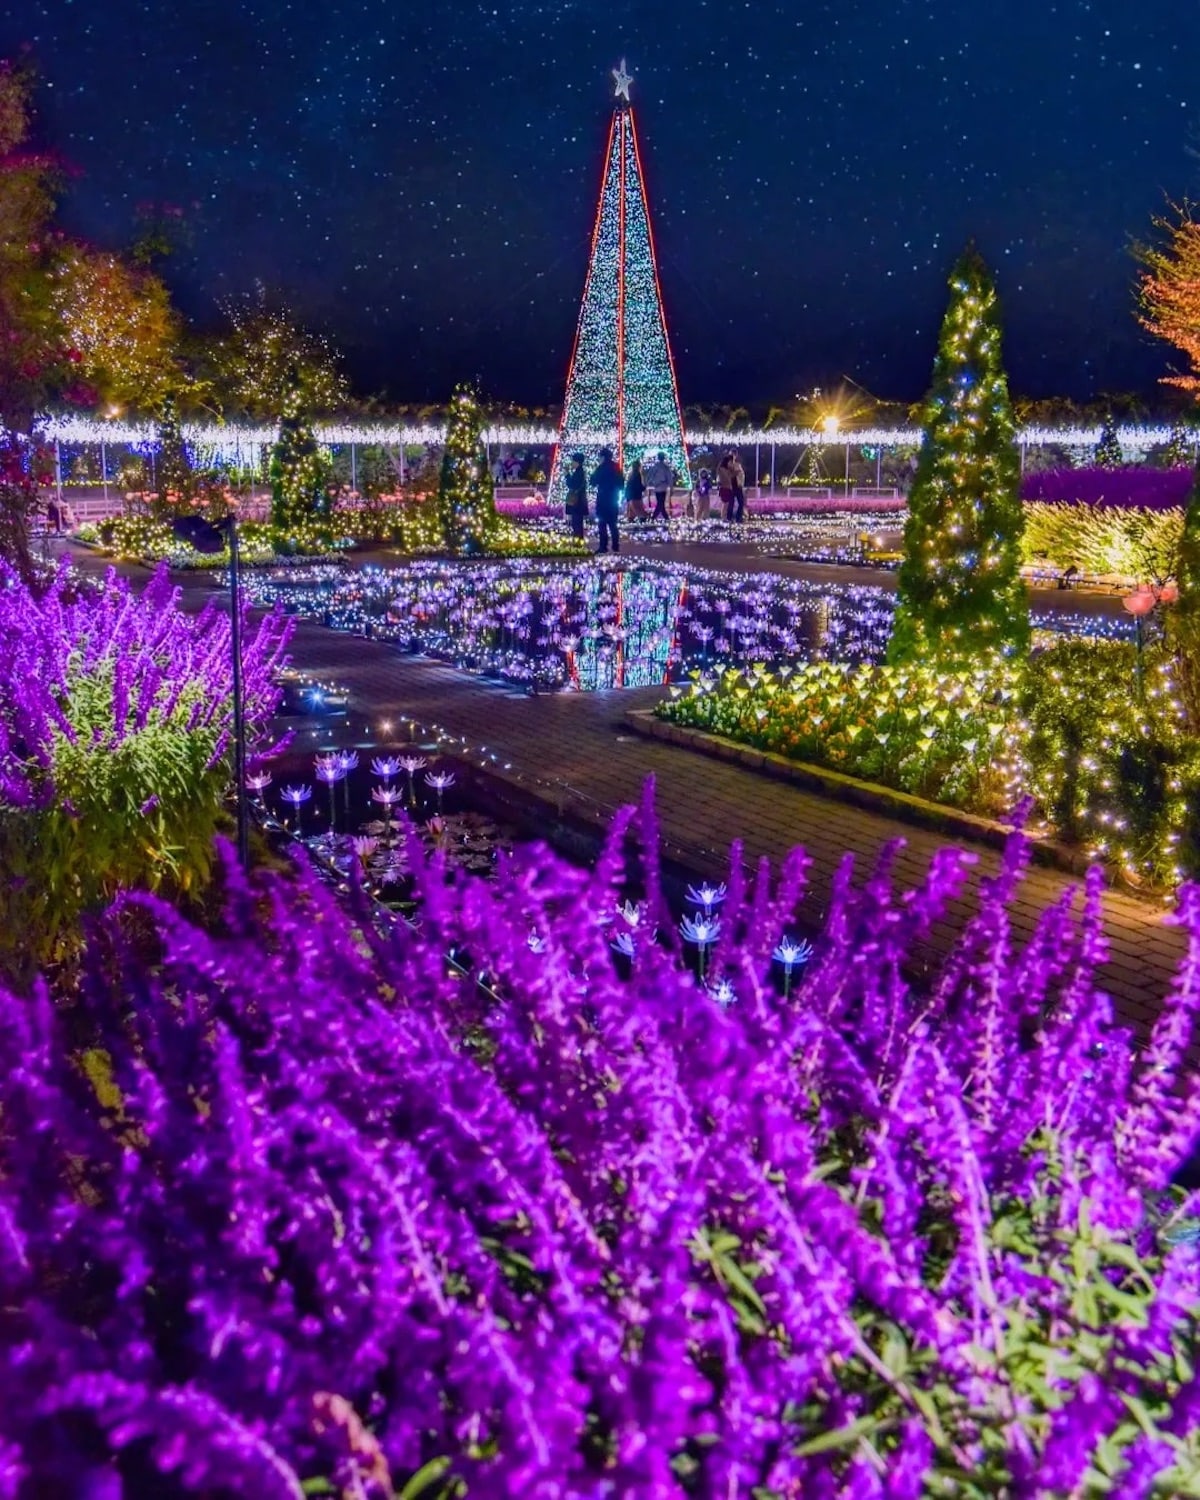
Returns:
point(301, 471)
point(1183, 621)
point(176, 477)
point(1107, 771)
point(941, 734)
point(960, 590)
point(33, 351)
point(1142, 545)
point(1119, 775)
point(1065, 1301)
point(466, 503)
point(1108, 449)
point(258, 363)
point(73, 856)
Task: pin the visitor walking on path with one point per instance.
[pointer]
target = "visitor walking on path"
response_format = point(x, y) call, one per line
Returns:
point(660, 478)
point(701, 497)
point(608, 481)
point(576, 506)
point(725, 485)
point(635, 489)
point(737, 511)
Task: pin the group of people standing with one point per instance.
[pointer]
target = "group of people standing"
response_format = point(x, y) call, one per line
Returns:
point(658, 479)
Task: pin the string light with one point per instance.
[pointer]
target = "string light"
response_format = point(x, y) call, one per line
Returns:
point(226, 443)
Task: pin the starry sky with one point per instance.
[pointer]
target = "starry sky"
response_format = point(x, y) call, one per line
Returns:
point(417, 178)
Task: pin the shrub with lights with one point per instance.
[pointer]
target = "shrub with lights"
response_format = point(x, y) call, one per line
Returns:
point(138, 538)
point(1183, 621)
point(466, 502)
point(961, 596)
point(1111, 770)
point(301, 469)
point(175, 472)
point(303, 1209)
point(1108, 449)
point(115, 725)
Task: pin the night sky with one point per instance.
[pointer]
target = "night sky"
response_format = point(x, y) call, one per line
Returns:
point(418, 180)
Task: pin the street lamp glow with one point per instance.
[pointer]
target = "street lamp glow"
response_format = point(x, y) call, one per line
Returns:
point(830, 425)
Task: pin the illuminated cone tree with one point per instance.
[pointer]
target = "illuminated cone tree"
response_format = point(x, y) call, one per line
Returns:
point(621, 390)
point(960, 590)
point(466, 500)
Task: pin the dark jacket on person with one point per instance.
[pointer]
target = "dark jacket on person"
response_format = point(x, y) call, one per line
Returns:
point(608, 481)
point(577, 488)
point(635, 485)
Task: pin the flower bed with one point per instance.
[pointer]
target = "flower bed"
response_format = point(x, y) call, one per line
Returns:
point(1115, 775)
point(308, 1212)
point(115, 726)
point(939, 735)
point(1126, 486)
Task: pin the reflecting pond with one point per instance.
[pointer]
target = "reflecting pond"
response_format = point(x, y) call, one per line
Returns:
point(600, 625)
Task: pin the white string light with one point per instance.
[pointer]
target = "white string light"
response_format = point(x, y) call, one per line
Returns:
point(222, 437)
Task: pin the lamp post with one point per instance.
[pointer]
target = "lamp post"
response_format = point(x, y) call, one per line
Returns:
point(209, 537)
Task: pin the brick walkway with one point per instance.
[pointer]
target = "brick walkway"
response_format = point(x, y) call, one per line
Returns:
point(572, 751)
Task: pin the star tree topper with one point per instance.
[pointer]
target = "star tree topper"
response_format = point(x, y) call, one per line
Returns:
point(623, 80)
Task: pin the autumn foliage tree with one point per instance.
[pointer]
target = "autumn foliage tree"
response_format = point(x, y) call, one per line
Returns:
point(1169, 290)
point(120, 326)
point(32, 353)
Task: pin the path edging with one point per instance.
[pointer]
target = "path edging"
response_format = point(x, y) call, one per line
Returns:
point(868, 795)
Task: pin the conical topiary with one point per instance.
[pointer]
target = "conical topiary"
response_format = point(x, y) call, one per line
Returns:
point(961, 595)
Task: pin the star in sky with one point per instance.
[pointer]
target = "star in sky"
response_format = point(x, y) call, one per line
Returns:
point(623, 80)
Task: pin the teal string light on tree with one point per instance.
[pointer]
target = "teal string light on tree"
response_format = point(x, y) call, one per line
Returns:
point(301, 470)
point(961, 596)
point(621, 388)
point(466, 500)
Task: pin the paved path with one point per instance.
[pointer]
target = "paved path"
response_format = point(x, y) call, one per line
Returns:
point(572, 750)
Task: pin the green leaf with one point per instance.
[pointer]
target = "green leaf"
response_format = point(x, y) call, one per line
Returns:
point(840, 1437)
point(424, 1479)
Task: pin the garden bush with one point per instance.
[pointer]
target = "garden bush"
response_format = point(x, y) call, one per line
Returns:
point(150, 540)
point(1142, 545)
point(115, 728)
point(1113, 772)
point(304, 1210)
point(1110, 769)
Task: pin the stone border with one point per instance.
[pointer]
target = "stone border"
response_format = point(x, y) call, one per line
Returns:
point(868, 795)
